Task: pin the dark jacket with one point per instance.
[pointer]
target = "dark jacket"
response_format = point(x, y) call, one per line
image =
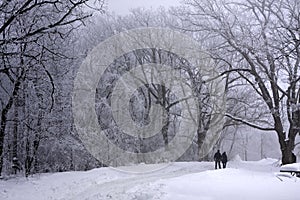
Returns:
point(224, 157)
point(217, 156)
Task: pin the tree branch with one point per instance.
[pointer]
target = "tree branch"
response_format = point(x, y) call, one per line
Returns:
point(249, 123)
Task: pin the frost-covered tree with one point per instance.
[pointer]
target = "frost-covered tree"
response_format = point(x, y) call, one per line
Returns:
point(104, 26)
point(258, 41)
point(32, 35)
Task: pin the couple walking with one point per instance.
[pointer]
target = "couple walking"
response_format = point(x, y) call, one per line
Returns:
point(218, 158)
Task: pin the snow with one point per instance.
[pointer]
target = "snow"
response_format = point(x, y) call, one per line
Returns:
point(257, 180)
point(236, 158)
point(291, 167)
point(230, 184)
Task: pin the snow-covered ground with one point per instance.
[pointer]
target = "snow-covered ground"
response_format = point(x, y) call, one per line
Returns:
point(185, 180)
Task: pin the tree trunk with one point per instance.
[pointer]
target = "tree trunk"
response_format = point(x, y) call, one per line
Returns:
point(4, 120)
point(28, 158)
point(15, 131)
point(246, 147)
point(2, 133)
point(200, 140)
point(286, 155)
point(262, 155)
point(287, 146)
point(165, 128)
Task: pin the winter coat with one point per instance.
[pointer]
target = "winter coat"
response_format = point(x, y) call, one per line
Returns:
point(217, 156)
point(224, 157)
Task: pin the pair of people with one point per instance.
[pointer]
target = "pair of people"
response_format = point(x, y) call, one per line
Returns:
point(218, 158)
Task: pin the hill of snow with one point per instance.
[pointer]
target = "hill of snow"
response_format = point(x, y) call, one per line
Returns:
point(184, 180)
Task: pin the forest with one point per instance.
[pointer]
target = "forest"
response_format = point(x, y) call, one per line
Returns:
point(253, 46)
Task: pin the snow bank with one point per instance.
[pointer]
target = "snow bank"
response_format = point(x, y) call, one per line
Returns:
point(291, 167)
point(233, 184)
point(236, 158)
point(184, 180)
point(55, 186)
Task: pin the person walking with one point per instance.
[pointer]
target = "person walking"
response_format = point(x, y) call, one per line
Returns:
point(224, 159)
point(217, 159)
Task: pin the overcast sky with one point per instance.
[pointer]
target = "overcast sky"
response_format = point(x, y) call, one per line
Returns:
point(123, 6)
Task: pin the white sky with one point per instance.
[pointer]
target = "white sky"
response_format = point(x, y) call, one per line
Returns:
point(122, 6)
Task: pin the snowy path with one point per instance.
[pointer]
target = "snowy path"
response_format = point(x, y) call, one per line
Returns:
point(187, 180)
point(105, 183)
point(134, 187)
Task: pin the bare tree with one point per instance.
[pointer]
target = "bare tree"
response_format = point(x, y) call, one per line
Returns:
point(106, 26)
point(258, 40)
point(31, 32)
